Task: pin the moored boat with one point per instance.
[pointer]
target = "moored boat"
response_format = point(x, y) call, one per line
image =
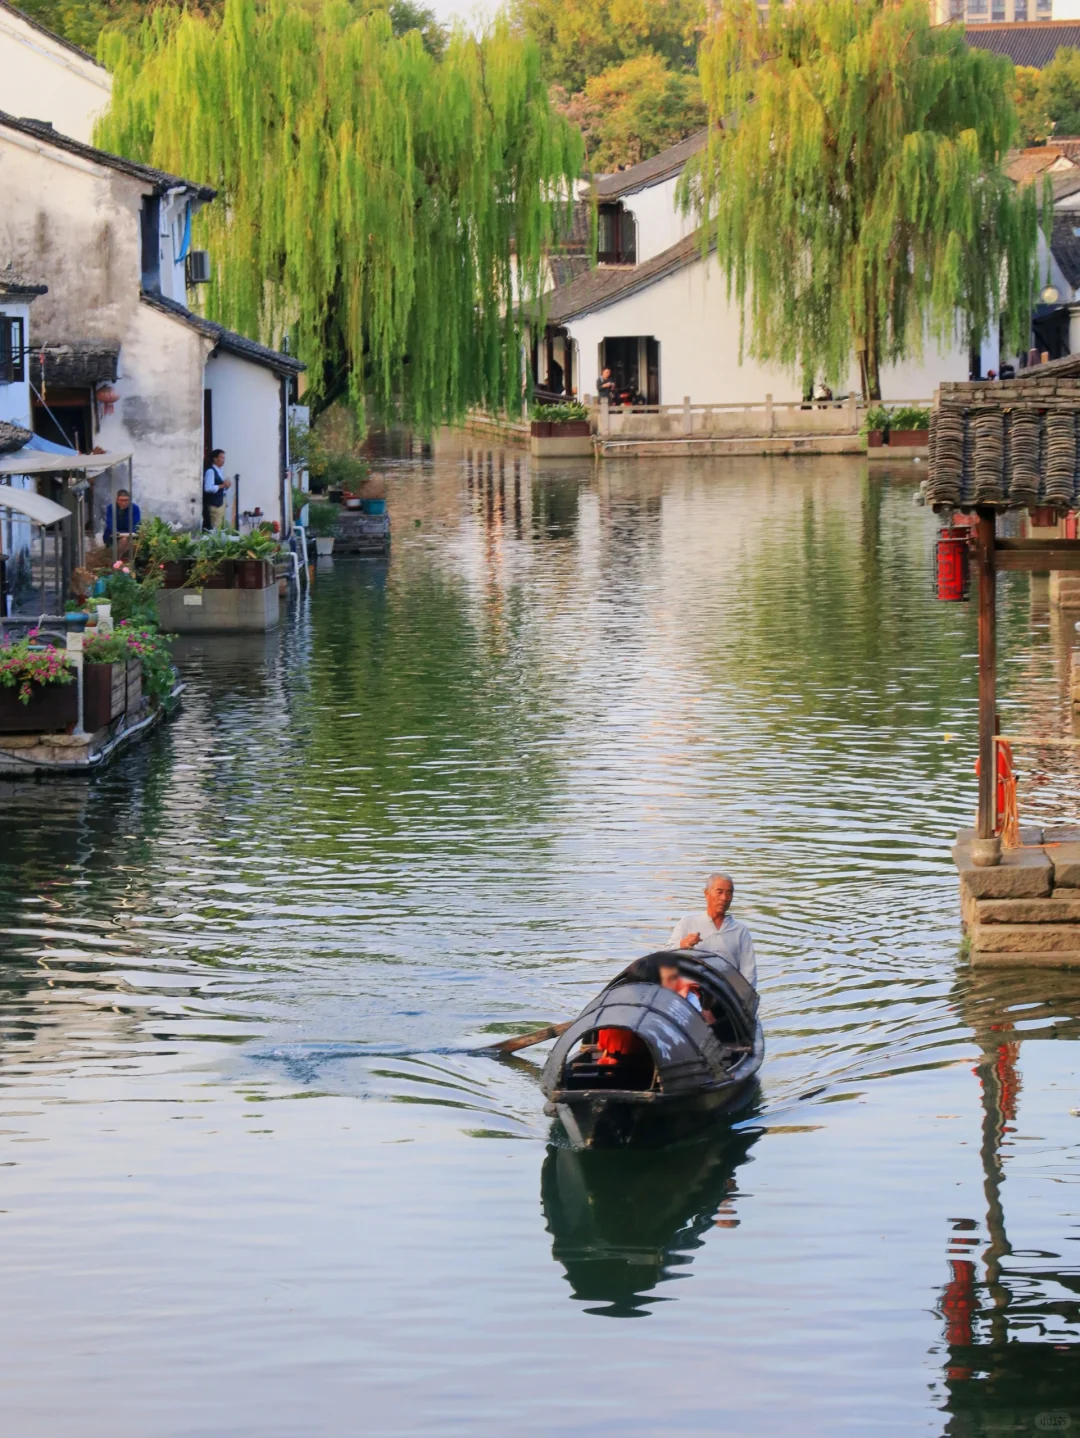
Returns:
point(642, 1064)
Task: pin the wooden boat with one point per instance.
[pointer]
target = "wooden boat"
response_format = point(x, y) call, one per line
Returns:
point(640, 1064)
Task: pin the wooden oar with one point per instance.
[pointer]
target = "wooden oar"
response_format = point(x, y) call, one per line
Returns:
point(524, 1041)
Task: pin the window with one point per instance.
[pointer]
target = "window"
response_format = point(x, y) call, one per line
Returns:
point(997, 12)
point(616, 236)
point(12, 350)
point(956, 9)
point(1044, 9)
point(1020, 10)
point(976, 9)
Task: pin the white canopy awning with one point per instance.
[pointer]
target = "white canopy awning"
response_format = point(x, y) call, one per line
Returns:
point(34, 506)
point(34, 461)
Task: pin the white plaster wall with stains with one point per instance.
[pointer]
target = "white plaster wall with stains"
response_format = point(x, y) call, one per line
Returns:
point(42, 78)
point(75, 225)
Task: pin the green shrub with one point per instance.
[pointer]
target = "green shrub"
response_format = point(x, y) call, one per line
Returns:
point(876, 417)
point(557, 413)
point(910, 416)
point(322, 520)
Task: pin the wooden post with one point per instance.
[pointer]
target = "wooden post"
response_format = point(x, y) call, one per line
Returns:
point(987, 671)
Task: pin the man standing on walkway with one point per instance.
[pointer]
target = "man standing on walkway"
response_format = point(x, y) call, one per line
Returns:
point(214, 486)
point(716, 931)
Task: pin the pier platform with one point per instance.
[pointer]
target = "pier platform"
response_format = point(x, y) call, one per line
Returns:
point(1025, 911)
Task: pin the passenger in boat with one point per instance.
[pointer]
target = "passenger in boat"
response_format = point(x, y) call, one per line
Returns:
point(716, 931)
point(669, 977)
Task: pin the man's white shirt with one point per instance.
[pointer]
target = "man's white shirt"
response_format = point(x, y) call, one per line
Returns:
point(732, 941)
point(212, 479)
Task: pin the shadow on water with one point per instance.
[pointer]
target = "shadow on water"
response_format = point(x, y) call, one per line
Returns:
point(1011, 1315)
point(624, 1221)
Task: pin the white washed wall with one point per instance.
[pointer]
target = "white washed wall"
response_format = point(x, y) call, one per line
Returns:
point(42, 79)
point(246, 419)
point(698, 330)
point(74, 225)
point(659, 223)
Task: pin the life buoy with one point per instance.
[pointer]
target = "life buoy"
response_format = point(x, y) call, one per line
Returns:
point(1008, 823)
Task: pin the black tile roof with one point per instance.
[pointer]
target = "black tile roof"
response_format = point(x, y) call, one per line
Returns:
point(224, 339)
point(14, 284)
point(43, 131)
point(12, 436)
point(649, 172)
point(607, 284)
point(1034, 42)
point(75, 364)
point(43, 30)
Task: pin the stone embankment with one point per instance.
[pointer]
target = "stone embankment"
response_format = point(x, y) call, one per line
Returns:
point(1025, 911)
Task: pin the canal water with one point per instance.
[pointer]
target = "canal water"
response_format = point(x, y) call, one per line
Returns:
point(254, 1181)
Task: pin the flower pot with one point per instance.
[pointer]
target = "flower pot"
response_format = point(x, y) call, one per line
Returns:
point(53, 708)
point(104, 694)
point(352, 503)
point(373, 506)
point(134, 686)
point(251, 573)
point(874, 438)
point(324, 545)
point(908, 438)
point(335, 496)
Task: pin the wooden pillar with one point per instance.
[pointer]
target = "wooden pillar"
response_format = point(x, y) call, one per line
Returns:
point(987, 670)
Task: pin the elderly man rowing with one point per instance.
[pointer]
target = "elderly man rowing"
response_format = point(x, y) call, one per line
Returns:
point(716, 931)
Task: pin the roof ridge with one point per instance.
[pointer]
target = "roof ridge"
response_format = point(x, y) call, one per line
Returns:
point(60, 40)
point(229, 340)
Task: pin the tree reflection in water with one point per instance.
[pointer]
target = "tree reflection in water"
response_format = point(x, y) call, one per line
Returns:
point(1011, 1321)
point(624, 1221)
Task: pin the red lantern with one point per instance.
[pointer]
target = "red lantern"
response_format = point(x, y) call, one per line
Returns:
point(951, 563)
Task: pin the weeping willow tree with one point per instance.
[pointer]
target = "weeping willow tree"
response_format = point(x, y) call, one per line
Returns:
point(853, 184)
point(386, 209)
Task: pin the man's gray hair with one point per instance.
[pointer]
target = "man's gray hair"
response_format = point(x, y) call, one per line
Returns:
point(726, 878)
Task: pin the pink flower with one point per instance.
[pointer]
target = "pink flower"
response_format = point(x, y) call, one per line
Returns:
point(118, 564)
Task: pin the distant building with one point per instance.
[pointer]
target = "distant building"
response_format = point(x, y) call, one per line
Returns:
point(1034, 45)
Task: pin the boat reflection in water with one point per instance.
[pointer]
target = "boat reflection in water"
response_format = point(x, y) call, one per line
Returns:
point(1011, 1315)
point(624, 1221)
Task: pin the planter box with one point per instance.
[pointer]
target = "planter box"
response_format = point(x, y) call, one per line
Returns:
point(569, 428)
point(193, 611)
point(252, 573)
point(875, 438)
point(540, 428)
point(104, 695)
point(174, 573)
point(909, 438)
point(53, 708)
point(134, 686)
point(222, 577)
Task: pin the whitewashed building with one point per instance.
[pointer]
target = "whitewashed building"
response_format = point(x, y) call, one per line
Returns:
point(657, 314)
point(120, 362)
point(45, 76)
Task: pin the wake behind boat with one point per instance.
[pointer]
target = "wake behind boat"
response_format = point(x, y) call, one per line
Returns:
point(643, 1063)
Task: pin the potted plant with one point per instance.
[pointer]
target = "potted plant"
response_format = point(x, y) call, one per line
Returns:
point(252, 568)
point(37, 688)
point(569, 420)
point(908, 426)
point(322, 521)
point(875, 426)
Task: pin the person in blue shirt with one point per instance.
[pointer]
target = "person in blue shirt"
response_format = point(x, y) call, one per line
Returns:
point(125, 520)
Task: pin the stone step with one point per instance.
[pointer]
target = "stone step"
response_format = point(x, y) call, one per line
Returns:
point(1026, 959)
point(1026, 938)
point(1022, 874)
point(1066, 861)
point(1058, 909)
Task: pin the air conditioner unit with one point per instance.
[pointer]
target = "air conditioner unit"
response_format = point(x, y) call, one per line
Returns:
point(198, 267)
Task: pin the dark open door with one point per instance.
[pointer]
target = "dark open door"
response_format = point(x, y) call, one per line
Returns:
point(652, 364)
point(207, 426)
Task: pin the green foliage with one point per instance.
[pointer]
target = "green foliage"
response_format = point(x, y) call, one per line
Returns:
point(559, 412)
point(853, 184)
point(388, 211)
point(1059, 92)
point(876, 417)
point(322, 519)
point(583, 38)
point(131, 596)
point(909, 416)
point(1032, 119)
point(130, 641)
point(633, 111)
point(25, 663)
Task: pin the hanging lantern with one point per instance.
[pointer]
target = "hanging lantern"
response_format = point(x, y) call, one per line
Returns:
point(107, 397)
point(951, 563)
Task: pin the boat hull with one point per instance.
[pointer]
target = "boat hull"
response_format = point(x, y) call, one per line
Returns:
point(595, 1118)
